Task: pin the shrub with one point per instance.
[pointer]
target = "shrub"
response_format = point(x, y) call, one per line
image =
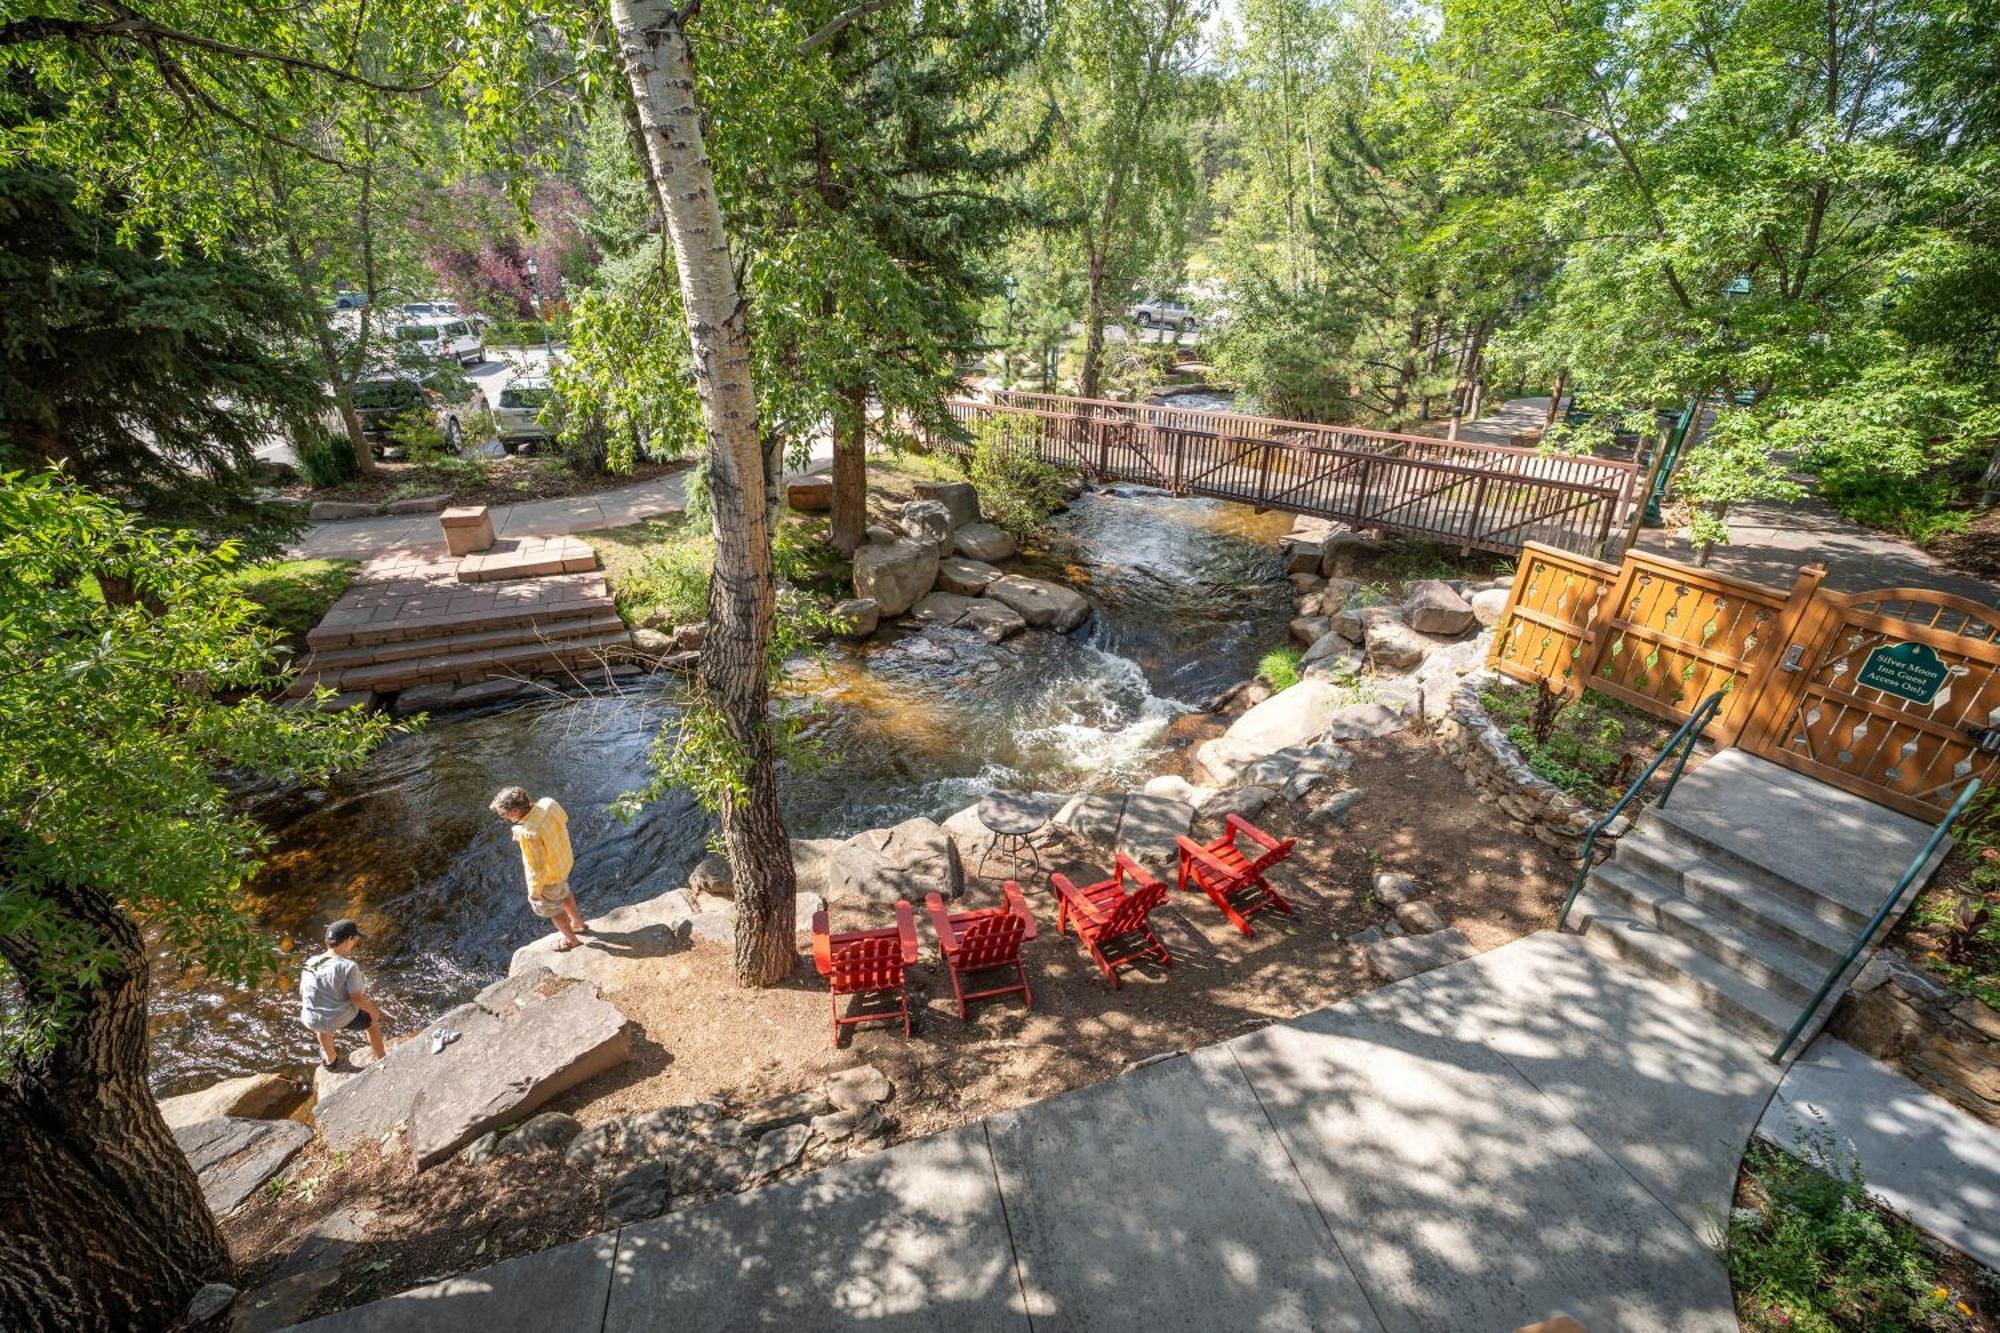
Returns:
point(1279, 668)
point(1922, 509)
point(1017, 491)
point(325, 458)
point(1814, 1254)
point(522, 333)
point(294, 594)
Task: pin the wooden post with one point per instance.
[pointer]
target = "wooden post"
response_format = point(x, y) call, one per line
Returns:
point(1763, 693)
point(1610, 605)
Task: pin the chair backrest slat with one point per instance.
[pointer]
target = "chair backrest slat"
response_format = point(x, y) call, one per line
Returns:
point(1130, 914)
point(866, 964)
point(990, 939)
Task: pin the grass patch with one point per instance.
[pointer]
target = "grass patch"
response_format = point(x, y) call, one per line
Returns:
point(1279, 668)
point(1810, 1252)
point(1402, 560)
point(294, 594)
point(1594, 747)
point(658, 569)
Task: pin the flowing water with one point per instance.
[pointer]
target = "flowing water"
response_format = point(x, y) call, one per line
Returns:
point(1187, 596)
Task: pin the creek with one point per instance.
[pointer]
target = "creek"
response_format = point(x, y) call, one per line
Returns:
point(1187, 595)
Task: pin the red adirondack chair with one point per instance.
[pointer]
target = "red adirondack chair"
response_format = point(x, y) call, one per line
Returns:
point(985, 940)
point(1110, 920)
point(867, 963)
point(1233, 881)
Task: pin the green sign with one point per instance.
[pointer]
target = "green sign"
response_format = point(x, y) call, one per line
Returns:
point(1910, 671)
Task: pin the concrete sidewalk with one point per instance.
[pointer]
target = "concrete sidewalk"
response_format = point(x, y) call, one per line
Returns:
point(1530, 1132)
point(1927, 1160)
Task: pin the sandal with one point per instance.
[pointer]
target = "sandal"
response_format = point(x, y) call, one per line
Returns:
point(565, 946)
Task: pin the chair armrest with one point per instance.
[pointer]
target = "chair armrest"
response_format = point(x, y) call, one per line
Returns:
point(1241, 825)
point(1195, 851)
point(1017, 903)
point(947, 938)
point(822, 943)
point(1078, 904)
point(1127, 866)
point(906, 929)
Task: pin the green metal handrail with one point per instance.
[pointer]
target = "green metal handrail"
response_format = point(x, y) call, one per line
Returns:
point(1881, 915)
point(1683, 740)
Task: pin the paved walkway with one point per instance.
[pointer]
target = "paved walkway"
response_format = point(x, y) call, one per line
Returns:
point(361, 538)
point(1927, 1160)
point(1530, 1132)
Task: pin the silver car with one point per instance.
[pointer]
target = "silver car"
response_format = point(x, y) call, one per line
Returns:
point(1163, 314)
point(518, 416)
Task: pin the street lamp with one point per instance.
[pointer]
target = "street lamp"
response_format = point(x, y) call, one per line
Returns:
point(1007, 345)
point(534, 271)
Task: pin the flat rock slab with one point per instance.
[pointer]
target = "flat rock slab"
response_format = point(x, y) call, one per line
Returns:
point(906, 862)
point(234, 1157)
point(1464, 1199)
point(984, 541)
point(1042, 604)
point(1147, 831)
point(1288, 717)
point(1406, 956)
point(621, 947)
point(1162, 1202)
point(1363, 722)
point(967, 578)
point(563, 1288)
point(521, 1042)
point(251, 1097)
point(913, 1238)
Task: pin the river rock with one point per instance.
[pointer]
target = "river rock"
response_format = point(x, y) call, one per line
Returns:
point(1148, 828)
point(1419, 918)
point(1179, 789)
point(233, 1157)
point(1289, 716)
point(778, 1149)
point(1393, 888)
point(960, 499)
point(967, 578)
point(1342, 547)
point(1332, 655)
point(639, 1193)
point(928, 523)
point(1301, 556)
point(810, 494)
point(1244, 801)
point(906, 862)
point(1489, 605)
point(894, 576)
point(857, 617)
point(881, 534)
point(940, 608)
point(1221, 762)
point(1308, 630)
point(521, 1043)
point(1094, 816)
point(210, 1299)
point(1306, 585)
point(1398, 959)
point(1357, 613)
point(1042, 604)
point(551, 1131)
point(984, 541)
point(652, 643)
point(335, 511)
point(252, 1097)
point(994, 620)
point(1394, 645)
point(1434, 607)
point(857, 1088)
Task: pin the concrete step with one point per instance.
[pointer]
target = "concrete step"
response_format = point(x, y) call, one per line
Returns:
point(1761, 959)
point(334, 660)
point(1738, 897)
point(558, 595)
point(479, 664)
point(1665, 825)
point(1613, 932)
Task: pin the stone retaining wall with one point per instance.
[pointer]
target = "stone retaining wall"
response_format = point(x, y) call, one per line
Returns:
point(1906, 1018)
point(1495, 769)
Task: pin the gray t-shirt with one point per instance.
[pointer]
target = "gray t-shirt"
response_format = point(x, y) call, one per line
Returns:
point(326, 990)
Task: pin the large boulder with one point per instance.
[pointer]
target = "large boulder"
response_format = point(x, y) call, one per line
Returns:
point(967, 578)
point(959, 498)
point(1148, 828)
point(1342, 548)
point(1042, 604)
point(1221, 762)
point(1180, 789)
point(1364, 721)
point(894, 576)
point(1301, 555)
point(810, 494)
point(984, 541)
point(252, 1097)
point(993, 620)
point(1288, 717)
point(928, 523)
point(520, 1043)
point(1308, 630)
point(1393, 645)
point(232, 1157)
point(856, 618)
point(906, 862)
point(1434, 607)
point(1488, 605)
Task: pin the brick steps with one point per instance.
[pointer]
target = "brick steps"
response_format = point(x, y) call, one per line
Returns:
point(333, 661)
point(466, 668)
point(366, 616)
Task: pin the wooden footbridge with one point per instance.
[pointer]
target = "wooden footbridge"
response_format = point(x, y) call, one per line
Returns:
point(1481, 497)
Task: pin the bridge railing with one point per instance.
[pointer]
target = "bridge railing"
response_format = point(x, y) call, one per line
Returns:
point(1423, 493)
point(1581, 469)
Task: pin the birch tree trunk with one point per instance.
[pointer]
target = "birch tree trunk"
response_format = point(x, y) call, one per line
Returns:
point(653, 53)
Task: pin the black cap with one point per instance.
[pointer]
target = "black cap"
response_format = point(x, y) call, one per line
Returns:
point(341, 931)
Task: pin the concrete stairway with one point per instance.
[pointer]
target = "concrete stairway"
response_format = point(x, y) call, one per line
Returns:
point(387, 637)
point(1747, 888)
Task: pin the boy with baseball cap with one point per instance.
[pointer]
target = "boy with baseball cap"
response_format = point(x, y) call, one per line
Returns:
point(332, 997)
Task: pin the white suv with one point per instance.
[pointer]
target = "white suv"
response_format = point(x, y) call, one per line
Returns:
point(1163, 314)
point(444, 338)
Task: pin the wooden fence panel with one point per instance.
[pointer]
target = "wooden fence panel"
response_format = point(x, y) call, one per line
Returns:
point(1551, 611)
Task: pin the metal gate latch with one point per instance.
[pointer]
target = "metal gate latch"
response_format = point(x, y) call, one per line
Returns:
point(1793, 656)
point(1987, 739)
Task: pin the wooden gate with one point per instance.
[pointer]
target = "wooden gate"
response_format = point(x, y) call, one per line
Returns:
point(1885, 694)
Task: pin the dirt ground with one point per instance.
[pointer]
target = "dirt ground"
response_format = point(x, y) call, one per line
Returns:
point(511, 480)
point(699, 1037)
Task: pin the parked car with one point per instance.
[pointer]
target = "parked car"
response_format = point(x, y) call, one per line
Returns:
point(384, 401)
point(517, 417)
point(444, 339)
point(1163, 314)
point(434, 311)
